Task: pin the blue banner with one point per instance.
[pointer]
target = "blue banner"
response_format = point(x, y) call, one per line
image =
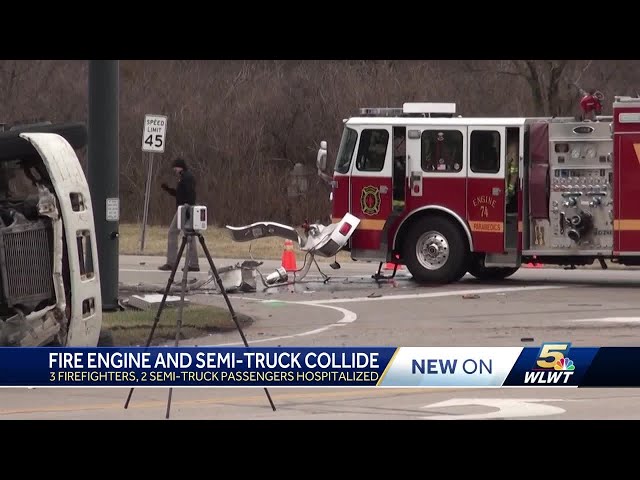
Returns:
point(193, 366)
point(553, 364)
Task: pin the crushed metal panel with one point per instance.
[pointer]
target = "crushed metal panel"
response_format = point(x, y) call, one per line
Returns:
point(332, 239)
point(44, 265)
point(47, 207)
point(69, 180)
point(248, 280)
point(231, 278)
point(239, 277)
point(259, 230)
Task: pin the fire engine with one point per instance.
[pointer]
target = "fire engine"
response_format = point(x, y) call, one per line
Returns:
point(437, 192)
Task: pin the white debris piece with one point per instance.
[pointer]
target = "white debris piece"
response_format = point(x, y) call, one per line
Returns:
point(147, 302)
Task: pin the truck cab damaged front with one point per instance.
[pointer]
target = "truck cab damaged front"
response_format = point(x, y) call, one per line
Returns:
point(49, 276)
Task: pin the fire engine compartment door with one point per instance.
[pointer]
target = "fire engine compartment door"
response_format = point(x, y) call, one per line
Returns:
point(371, 197)
point(486, 187)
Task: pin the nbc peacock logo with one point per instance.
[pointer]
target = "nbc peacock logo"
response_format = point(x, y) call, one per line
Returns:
point(564, 364)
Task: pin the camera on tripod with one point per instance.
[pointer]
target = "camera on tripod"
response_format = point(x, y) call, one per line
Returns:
point(192, 218)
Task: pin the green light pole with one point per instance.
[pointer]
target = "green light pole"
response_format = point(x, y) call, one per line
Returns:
point(103, 172)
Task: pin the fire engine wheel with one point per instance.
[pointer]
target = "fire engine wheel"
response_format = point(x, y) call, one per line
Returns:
point(436, 251)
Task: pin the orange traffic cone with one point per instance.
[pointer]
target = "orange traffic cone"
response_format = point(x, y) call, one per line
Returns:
point(289, 257)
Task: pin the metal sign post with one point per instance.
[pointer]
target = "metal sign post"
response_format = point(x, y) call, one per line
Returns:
point(154, 132)
point(147, 196)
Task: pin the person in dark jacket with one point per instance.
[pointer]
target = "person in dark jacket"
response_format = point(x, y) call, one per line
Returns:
point(185, 193)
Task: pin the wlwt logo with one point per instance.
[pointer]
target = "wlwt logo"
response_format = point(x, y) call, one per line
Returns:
point(553, 365)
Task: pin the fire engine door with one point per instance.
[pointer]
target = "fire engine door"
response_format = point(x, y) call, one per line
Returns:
point(371, 197)
point(486, 188)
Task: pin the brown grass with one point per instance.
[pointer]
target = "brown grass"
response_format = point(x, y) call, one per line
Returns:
point(218, 242)
point(132, 327)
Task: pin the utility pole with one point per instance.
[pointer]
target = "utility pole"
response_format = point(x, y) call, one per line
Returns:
point(103, 172)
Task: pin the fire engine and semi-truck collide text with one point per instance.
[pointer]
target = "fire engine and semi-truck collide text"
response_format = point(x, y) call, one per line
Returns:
point(245, 366)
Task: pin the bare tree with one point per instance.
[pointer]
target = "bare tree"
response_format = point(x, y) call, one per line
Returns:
point(242, 125)
point(550, 82)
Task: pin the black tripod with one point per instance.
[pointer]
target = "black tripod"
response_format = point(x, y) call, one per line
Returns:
point(187, 234)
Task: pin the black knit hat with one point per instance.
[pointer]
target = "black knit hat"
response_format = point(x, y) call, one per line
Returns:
point(179, 162)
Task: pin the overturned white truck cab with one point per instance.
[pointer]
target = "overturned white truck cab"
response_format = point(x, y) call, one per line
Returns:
point(49, 275)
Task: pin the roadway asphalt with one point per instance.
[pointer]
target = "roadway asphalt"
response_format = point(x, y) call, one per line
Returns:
point(584, 307)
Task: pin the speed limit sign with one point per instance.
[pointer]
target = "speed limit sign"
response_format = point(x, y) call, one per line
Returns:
point(154, 133)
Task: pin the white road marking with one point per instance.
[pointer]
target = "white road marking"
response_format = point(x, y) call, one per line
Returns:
point(410, 296)
point(347, 317)
point(507, 408)
point(609, 320)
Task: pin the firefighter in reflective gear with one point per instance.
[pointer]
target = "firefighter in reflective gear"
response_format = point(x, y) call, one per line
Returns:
point(512, 175)
point(591, 104)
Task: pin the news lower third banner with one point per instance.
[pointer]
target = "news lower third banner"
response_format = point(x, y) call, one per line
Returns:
point(549, 365)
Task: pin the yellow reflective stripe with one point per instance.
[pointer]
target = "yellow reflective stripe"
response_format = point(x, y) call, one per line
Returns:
point(627, 224)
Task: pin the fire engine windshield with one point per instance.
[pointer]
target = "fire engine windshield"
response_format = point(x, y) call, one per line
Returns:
point(345, 152)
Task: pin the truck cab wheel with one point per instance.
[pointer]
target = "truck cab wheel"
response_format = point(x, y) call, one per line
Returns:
point(436, 251)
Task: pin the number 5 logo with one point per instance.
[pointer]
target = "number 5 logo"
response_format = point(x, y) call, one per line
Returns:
point(555, 351)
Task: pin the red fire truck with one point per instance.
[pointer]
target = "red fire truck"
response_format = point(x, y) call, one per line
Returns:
point(446, 195)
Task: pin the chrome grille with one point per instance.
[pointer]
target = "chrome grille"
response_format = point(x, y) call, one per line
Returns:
point(25, 263)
